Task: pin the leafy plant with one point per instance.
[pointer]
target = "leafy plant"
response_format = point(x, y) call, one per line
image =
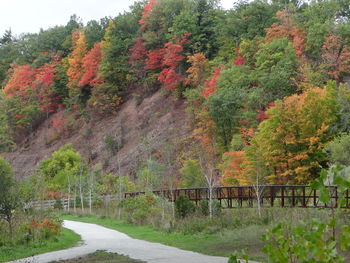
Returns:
point(183, 206)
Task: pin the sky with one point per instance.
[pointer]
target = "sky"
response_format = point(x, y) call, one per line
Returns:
point(28, 16)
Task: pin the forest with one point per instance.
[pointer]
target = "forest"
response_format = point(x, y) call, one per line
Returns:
point(266, 86)
point(263, 81)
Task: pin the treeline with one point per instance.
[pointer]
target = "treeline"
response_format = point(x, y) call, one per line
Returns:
point(263, 80)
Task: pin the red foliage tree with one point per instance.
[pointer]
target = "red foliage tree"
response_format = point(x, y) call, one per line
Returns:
point(169, 78)
point(91, 63)
point(240, 59)
point(154, 59)
point(43, 88)
point(138, 55)
point(336, 56)
point(262, 115)
point(22, 78)
point(147, 9)
point(172, 58)
point(209, 85)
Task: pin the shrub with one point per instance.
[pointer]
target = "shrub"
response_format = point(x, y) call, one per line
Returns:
point(183, 206)
point(141, 209)
point(204, 207)
point(112, 144)
point(308, 240)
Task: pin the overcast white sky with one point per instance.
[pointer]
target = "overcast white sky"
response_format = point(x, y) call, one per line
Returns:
point(31, 15)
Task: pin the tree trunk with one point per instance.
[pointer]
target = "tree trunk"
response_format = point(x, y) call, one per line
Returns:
point(210, 188)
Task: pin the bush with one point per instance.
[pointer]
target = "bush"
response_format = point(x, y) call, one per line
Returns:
point(204, 207)
point(183, 206)
point(141, 209)
point(112, 144)
point(308, 240)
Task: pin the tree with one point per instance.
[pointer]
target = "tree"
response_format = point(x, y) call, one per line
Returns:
point(209, 85)
point(149, 176)
point(170, 62)
point(192, 175)
point(76, 61)
point(154, 59)
point(249, 19)
point(225, 105)
point(336, 55)
point(233, 172)
point(285, 28)
point(197, 70)
point(118, 39)
point(22, 77)
point(64, 171)
point(210, 173)
point(9, 200)
point(90, 66)
point(291, 140)
point(276, 66)
point(137, 57)
point(338, 150)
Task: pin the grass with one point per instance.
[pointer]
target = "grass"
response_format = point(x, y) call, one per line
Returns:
point(101, 257)
point(67, 239)
point(217, 244)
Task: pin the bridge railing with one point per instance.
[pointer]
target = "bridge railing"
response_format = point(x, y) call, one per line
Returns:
point(247, 196)
point(232, 197)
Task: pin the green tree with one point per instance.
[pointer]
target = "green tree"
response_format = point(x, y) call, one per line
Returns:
point(9, 199)
point(62, 169)
point(192, 174)
point(338, 150)
point(118, 38)
point(276, 66)
point(225, 106)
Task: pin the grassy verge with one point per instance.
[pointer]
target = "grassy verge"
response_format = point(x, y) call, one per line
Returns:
point(67, 239)
point(101, 257)
point(217, 244)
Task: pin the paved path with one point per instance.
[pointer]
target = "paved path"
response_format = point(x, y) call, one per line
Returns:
point(96, 237)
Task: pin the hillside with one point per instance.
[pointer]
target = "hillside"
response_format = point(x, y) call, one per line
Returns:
point(160, 118)
point(263, 83)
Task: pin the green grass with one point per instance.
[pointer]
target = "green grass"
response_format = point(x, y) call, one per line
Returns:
point(67, 239)
point(218, 244)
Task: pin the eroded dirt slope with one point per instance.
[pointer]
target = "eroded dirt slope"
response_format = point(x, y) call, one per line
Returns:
point(158, 120)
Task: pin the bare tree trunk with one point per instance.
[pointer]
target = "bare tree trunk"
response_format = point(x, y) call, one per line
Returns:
point(258, 188)
point(210, 202)
point(90, 195)
point(75, 193)
point(69, 194)
point(81, 189)
point(120, 187)
point(210, 180)
point(173, 201)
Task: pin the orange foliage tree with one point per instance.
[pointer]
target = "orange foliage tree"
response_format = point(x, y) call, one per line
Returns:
point(76, 61)
point(233, 169)
point(285, 28)
point(196, 72)
point(21, 78)
point(291, 140)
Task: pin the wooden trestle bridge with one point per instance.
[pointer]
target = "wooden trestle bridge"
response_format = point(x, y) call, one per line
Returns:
point(246, 196)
